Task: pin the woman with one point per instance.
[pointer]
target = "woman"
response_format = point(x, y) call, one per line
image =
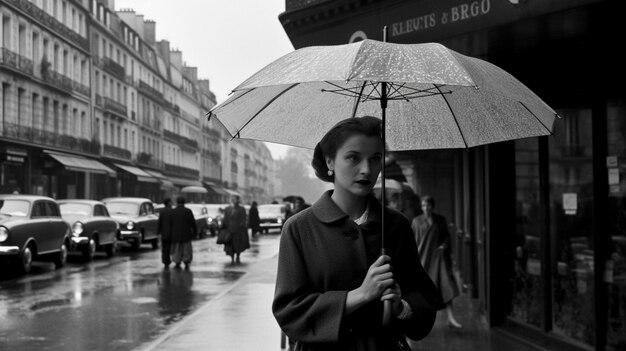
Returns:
point(433, 243)
point(236, 223)
point(254, 222)
point(332, 279)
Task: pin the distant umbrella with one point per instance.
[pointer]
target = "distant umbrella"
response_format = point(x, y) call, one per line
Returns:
point(194, 189)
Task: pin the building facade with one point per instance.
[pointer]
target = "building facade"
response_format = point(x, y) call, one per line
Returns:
point(538, 223)
point(94, 106)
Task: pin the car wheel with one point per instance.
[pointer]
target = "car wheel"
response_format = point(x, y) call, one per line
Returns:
point(25, 261)
point(60, 257)
point(89, 251)
point(110, 248)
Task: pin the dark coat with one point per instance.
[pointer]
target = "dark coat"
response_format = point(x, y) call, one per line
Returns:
point(433, 244)
point(165, 223)
point(253, 219)
point(236, 223)
point(323, 255)
point(183, 225)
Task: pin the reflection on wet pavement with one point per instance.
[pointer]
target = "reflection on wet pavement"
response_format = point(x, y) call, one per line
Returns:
point(115, 304)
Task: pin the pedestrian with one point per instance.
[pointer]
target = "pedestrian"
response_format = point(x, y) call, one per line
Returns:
point(412, 206)
point(433, 243)
point(165, 231)
point(183, 231)
point(254, 222)
point(235, 222)
point(299, 204)
point(332, 279)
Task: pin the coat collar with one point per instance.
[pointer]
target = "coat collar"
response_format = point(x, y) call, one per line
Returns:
point(327, 211)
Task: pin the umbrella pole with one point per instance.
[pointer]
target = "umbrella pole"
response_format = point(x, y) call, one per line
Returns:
point(383, 196)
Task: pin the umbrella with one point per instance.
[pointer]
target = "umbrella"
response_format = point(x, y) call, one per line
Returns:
point(194, 189)
point(435, 98)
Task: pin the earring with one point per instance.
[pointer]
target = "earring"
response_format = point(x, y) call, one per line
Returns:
point(330, 172)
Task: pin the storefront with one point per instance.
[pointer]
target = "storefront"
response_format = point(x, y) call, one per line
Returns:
point(539, 224)
point(134, 181)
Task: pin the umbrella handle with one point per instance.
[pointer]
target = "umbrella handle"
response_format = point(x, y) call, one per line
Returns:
point(386, 304)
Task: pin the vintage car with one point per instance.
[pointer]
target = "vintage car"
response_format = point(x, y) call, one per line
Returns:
point(136, 219)
point(31, 228)
point(92, 227)
point(271, 216)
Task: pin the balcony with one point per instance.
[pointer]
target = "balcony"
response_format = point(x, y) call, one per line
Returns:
point(46, 138)
point(57, 80)
point(181, 140)
point(146, 159)
point(16, 62)
point(150, 91)
point(116, 152)
point(115, 107)
point(180, 171)
point(114, 68)
point(51, 22)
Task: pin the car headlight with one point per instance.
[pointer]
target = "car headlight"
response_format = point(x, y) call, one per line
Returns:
point(4, 234)
point(130, 225)
point(280, 221)
point(209, 220)
point(77, 228)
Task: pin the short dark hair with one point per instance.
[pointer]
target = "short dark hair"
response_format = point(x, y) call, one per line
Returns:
point(180, 200)
point(337, 136)
point(167, 201)
point(429, 199)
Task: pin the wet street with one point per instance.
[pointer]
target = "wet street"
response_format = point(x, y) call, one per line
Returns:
point(121, 303)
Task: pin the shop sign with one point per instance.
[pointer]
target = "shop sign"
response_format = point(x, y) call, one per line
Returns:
point(14, 155)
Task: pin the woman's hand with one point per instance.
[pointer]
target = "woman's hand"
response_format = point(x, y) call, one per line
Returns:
point(394, 294)
point(378, 279)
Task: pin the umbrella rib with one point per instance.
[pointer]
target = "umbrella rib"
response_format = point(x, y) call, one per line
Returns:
point(453, 115)
point(210, 113)
point(358, 99)
point(264, 107)
point(540, 121)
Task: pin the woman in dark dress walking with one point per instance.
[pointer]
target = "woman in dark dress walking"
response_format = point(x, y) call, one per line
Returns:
point(235, 222)
point(254, 222)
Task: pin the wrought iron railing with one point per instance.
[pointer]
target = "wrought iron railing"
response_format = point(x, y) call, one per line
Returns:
point(114, 106)
point(114, 68)
point(58, 80)
point(51, 22)
point(47, 138)
point(114, 151)
point(150, 91)
point(16, 61)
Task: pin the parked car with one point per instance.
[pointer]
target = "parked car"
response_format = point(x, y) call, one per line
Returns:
point(271, 216)
point(93, 229)
point(31, 228)
point(215, 215)
point(136, 219)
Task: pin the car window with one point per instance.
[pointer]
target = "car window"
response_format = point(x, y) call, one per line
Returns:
point(51, 209)
point(100, 211)
point(39, 210)
point(14, 207)
point(149, 208)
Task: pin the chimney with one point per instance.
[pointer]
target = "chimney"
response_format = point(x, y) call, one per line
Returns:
point(163, 46)
point(176, 58)
point(149, 32)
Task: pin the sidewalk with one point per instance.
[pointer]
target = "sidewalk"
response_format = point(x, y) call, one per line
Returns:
point(241, 319)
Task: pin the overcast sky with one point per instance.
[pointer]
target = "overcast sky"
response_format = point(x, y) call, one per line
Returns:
point(228, 40)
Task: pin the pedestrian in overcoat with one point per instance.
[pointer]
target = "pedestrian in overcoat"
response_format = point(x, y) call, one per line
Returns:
point(254, 222)
point(434, 246)
point(332, 279)
point(236, 222)
point(183, 231)
point(165, 231)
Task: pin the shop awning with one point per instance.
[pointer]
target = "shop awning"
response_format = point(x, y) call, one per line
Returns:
point(185, 182)
point(81, 164)
point(232, 192)
point(216, 189)
point(141, 175)
point(165, 182)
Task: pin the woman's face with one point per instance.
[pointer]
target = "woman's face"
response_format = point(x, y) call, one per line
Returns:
point(357, 164)
point(427, 208)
